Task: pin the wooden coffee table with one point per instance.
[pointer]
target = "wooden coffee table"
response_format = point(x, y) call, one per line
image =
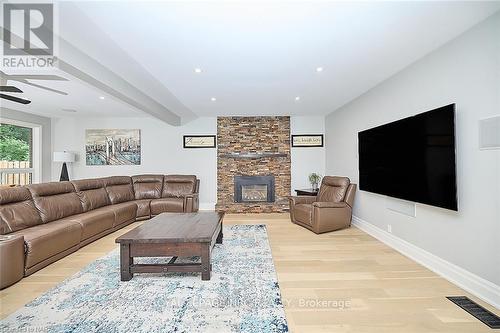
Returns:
point(171, 235)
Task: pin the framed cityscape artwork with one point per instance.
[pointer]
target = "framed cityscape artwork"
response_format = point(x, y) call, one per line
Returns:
point(113, 146)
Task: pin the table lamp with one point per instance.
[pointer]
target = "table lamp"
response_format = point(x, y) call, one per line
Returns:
point(65, 157)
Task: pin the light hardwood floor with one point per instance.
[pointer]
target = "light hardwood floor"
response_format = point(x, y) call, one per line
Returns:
point(344, 281)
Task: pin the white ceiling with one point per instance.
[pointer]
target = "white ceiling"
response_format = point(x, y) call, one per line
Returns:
point(256, 57)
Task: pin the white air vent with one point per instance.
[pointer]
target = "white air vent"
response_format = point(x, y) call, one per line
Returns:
point(489, 133)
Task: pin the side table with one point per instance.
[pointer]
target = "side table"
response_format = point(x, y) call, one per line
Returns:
point(307, 191)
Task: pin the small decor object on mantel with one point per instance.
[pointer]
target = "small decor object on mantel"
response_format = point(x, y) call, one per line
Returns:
point(314, 179)
point(307, 140)
point(199, 141)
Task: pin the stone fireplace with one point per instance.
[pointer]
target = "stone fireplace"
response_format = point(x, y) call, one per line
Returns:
point(253, 164)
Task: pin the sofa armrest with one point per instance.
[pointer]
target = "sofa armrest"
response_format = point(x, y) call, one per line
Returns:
point(329, 216)
point(301, 199)
point(191, 203)
point(12, 251)
point(197, 186)
point(330, 204)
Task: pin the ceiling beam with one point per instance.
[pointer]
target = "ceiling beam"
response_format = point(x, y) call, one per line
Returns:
point(79, 65)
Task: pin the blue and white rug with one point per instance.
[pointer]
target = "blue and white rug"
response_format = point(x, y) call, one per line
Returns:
point(242, 296)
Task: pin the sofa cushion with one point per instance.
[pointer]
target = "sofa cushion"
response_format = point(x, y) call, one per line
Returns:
point(303, 213)
point(124, 212)
point(94, 222)
point(178, 185)
point(143, 207)
point(55, 200)
point(46, 240)
point(147, 186)
point(333, 189)
point(17, 210)
point(92, 193)
point(164, 205)
point(119, 189)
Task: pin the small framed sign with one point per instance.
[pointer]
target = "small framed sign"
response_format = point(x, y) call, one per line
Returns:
point(199, 141)
point(307, 140)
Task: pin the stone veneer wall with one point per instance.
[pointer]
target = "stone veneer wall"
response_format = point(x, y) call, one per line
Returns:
point(253, 135)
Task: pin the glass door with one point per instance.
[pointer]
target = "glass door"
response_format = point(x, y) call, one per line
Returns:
point(16, 155)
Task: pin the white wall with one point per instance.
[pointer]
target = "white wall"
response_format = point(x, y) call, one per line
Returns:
point(465, 71)
point(162, 150)
point(310, 159)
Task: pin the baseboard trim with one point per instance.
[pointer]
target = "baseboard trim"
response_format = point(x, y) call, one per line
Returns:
point(476, 285)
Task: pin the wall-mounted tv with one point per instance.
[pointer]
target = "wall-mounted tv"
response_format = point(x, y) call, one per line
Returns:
point(412, 158)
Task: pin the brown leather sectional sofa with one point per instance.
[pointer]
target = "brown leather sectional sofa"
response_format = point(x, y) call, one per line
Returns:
point(56, 219)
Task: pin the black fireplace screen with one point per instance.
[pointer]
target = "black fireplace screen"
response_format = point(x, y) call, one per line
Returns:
point(254, 188)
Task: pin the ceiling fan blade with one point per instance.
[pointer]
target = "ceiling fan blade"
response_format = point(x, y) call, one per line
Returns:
point(10, 89)
point(15, 99)
point(36, 77)
point(42, 87)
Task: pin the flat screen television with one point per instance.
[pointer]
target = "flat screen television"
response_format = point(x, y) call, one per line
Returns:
point(412, 159)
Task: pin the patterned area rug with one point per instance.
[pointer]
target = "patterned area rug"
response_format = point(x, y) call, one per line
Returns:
point(242, 296)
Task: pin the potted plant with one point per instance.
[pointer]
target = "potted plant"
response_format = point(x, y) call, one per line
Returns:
point(314, 179)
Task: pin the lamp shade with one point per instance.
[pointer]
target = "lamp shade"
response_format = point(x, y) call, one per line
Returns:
point(64, 156)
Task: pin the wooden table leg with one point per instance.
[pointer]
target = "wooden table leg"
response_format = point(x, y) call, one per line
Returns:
point(219, 237)
point(125, 262)
point(206, 268)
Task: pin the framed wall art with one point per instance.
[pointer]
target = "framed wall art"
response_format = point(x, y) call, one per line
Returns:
point(113, 146)
point(307, 140)
point(199, 141)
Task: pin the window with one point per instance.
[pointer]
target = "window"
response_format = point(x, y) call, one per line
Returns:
point(19, 153)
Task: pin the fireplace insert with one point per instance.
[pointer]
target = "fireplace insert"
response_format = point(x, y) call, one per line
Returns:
point(254, 189)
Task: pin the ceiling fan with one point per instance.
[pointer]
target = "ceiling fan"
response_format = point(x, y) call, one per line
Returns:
point(13, 98)
point(24, 79)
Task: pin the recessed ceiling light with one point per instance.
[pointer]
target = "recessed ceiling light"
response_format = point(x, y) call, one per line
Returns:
point(197, 70)
point(319, 69)
point(69, 110)
point(297, 98)
point(213, 99)
point(101, 97)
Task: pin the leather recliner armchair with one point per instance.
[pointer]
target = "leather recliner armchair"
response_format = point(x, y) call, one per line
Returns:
point(330, 210)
